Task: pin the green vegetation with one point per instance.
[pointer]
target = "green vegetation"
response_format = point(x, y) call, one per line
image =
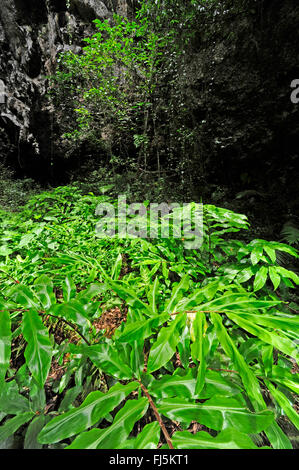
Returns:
point(145, 343)
point(126, 92)
point(135, 343)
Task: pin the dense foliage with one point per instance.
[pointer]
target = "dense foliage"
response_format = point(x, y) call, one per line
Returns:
point(139, 343)
point(126, 96)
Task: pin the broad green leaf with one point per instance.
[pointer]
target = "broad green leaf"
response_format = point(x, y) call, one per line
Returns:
point(182, 384)
point(274, 276)
point(5, 343)
point(239, 301)
point(282, 344)
point(198, 349)
point(97, 405)
point(153, 294)
point(256, 255)
point(127, 294)
point(11, 401)
point(177, 294)
point(284, 403)
point(217, 413)
point(13, 424)
point(43, 287)
point(260, 278)
point(24, 296)
point(69, 289)
point(227, 439)
point(271, 253)
point(199, 296)
point(184, 347)
point(116, 269)
point(245, 275)
point(276, 436)
point(248, 378)
point(267, 356)
point(174, 385)
point(38, 353)
point(288, 323)
point(148, 438)
point(108, 359)
point(217, 384)
point(113, 436)
point(288, 274)
point(285, 378)
point(69, 397)
point(164, 348)
point(74, 312)
point(32, 432)
point(140, 329)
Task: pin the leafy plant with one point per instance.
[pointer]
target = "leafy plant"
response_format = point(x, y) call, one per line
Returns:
point(203, 337)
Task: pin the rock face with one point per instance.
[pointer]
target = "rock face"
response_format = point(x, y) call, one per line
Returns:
point(240, 95)
point(32, 33)
point(238, 86)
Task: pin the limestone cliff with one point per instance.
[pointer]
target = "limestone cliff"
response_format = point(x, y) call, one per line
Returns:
point(32, 34)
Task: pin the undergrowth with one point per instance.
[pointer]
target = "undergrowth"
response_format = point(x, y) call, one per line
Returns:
point(143, 343)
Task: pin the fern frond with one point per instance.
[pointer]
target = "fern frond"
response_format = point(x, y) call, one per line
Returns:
point(290, 233)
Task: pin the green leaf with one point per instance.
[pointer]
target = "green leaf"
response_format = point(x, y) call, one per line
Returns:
point(5, 343)
point(198, 349)
point(11, 401)
point(127, 294)
point(140, 329)
point(216, 384)
point(284, 322)
point(283, 403)
point(153, 294)
point(108, 359)
point(74, 312)
point(245, 275)
point(274, 276)
point(69, 289)
point(282, 376)
point(32, 432)
point(174, 385)
point(248, 378)
point(164, 348)
point(260, 278)
point(239, 301)
point(177, 294)
point(227, 439)
point(288, 274)
point(184, 347)
point(24, 296)
point(282, 344)
point(217, 413)
point(116, 269)
point(148, 438)
point(256, 255)
point(13, 424)
point(271, 253)
point(97, 405)
point(43, 287)
point(113, 436)
point(38, 353)
point(276, 436)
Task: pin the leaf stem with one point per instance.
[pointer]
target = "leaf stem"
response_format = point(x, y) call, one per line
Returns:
point(157, 415)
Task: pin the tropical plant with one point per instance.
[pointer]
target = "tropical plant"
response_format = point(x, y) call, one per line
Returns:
point(139, 343)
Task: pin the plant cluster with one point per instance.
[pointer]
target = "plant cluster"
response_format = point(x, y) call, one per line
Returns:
point(128, 92)
point(141, 343)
